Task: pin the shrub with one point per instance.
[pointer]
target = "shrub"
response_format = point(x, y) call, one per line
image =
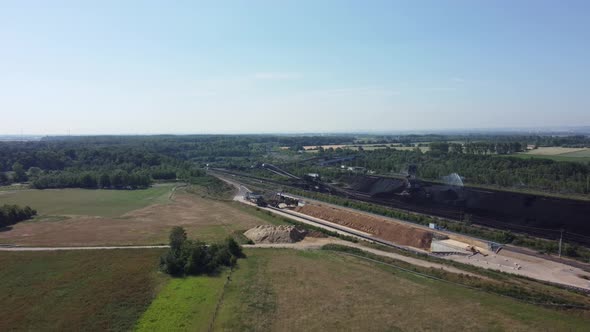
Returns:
point(190, 257)
point(11, 214)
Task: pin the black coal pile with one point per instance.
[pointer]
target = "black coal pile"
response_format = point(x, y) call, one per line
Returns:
point(526, 213)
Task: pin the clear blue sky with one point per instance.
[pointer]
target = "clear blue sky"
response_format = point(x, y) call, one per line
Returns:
point(302, 66)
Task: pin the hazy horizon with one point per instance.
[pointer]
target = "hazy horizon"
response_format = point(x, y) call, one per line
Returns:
point(295, 67)
point(566, 130)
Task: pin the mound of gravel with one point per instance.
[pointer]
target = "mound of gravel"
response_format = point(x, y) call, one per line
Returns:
point(275, 234)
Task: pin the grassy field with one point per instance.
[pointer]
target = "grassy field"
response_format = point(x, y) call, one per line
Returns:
point(103, 203)
point(271, 290)
point(557, 154)
point(585, 153)
point(185, 304)
point(318, 291)
point(551, 157)
point(77, 290)
point(203, 218)
point(557, 150)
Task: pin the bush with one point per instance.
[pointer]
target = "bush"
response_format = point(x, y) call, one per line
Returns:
point(234, 248)
point(171, 264)
point(11, 214)
point(177, 238)
point(190, 257)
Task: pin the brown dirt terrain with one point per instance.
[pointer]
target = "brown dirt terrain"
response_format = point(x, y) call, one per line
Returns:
point(398, 233)
point(204, 219)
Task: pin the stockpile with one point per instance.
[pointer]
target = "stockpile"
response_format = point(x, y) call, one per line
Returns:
point(374, 185)
point(275, 234)
point(384, 229)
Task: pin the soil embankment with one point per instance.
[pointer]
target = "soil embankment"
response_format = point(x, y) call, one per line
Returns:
point(275, 234)
point(397, 233)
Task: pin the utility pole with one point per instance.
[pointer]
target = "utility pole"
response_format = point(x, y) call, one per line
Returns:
point(560, 241)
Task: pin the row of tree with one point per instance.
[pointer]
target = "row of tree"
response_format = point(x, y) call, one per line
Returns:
point(118, 179)
point(189, 257)
point(481, 148)
point(493, 147)
point(11, 214)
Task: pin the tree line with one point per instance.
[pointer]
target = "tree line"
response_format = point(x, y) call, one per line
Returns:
point(11, 214)
point(480, 148)
point(128, 161)
point(93, 180)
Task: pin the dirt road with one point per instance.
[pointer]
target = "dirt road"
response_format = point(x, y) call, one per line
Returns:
point(10, 248)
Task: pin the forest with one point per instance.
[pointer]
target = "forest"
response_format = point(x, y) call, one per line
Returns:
point(131, 162)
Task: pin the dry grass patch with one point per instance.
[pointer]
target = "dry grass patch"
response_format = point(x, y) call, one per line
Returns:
point(553, 151)
point(206, 219)
point(280, 289)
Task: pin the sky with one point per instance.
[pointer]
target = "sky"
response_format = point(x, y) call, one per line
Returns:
point(148, 67)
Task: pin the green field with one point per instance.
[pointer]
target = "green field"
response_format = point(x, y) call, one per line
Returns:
point(103, 203)
point(93, 290)
point(555, 153)
point(577, 154)
point(323, 291)
point(185, 304)
point(271, 290)
point(564, 157)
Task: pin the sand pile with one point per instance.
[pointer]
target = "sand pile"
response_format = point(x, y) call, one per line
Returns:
point(275, 234)
point(390, 231)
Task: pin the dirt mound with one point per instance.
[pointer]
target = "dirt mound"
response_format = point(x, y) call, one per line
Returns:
point(385, 229)
point(275, 234)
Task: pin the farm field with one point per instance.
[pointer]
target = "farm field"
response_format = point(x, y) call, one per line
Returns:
point(554, 151)
point(101, 203)
point(87, 290)
point(577, 154)
point(270, 290)
point(205, 219)
point(555, 158)
point(281, 289)
point(557, 154)
point(185, 304)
